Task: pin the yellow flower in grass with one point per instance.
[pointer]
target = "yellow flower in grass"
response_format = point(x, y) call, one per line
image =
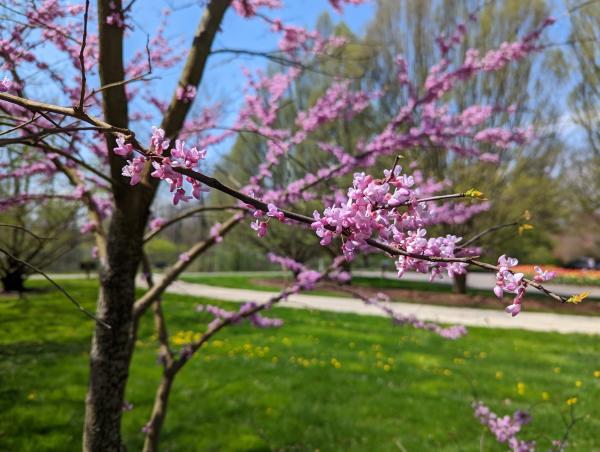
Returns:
point(499, 375)
point(597, 373)
point(557, 370)
point(572, 401)
point(545, 395)
point(521, 388)
point(578, 384)
point(335, 363)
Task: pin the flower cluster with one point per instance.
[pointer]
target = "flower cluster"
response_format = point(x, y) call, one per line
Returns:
point(5, 85)
point(381, 301)
point(508, 281)
point(260, 225)
point(215, 232)
point(373, 210)
point(181, 156)
point(221, 314)
point(157, 223)
point(505, 428)
point(186, 94)
point(116, 18)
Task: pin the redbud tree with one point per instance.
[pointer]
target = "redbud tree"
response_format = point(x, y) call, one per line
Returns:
point(101, 125)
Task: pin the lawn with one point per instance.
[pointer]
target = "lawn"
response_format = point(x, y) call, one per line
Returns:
point(323, 381)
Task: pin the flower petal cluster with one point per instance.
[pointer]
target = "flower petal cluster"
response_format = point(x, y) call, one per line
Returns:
point(505, 428)
point(181, 156)
point(509, 281)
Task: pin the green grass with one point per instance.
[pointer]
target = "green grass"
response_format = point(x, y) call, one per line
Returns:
point(253, 283)
point(279, 389)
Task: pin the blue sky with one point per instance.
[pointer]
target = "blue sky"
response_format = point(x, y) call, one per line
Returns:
point(222, 77)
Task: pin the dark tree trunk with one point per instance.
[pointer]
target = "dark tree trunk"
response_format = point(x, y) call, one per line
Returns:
point(112, 349)
point(460, 284)
point(13, 282)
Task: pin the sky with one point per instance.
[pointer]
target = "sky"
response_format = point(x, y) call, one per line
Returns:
point(223, 77)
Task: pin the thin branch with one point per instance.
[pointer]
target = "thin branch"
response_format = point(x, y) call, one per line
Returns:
point(260, 205)
point(81, 55)
point(65, 293)
point(487, 231)
point(150, 235)
point(25, 124)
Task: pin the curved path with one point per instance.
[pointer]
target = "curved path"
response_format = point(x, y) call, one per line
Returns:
point(532, 321)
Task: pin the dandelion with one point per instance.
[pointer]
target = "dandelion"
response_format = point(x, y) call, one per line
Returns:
point(597, 373)
point(578, 384)
point(521, 388)
point(499, 375)
point(572, 401)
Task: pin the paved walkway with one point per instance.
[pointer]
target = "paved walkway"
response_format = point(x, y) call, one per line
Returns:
point(483, 281)
point(532, 321)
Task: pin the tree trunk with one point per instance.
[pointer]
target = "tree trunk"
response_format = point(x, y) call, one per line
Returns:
point(111, 351)
point(13, 282)
point(460, 284)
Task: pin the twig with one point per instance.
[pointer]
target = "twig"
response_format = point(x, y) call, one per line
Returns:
point(25, 124)
point(487, 231)
point(150, 235)
point(81, 55)
point(73, 300)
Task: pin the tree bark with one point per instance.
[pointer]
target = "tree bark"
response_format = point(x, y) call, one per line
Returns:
point(112, 349)
point(13, 282)
point(460, 284)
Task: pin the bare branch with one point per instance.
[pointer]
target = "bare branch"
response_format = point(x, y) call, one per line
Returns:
point(81, 55)
point(73, 300)
point(150, 235)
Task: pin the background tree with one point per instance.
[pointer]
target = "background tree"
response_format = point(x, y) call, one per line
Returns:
point(37, 227)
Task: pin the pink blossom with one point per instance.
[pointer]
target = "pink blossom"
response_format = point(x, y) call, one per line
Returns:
point(5, 85)
point(260, 227)
point(543, 275)
point(275, 213)
point(134, 169)
point(215, 232)
point(88, 227)
point(186, 94)
point(123, 149)
point(184, 257)
point(157, 223)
